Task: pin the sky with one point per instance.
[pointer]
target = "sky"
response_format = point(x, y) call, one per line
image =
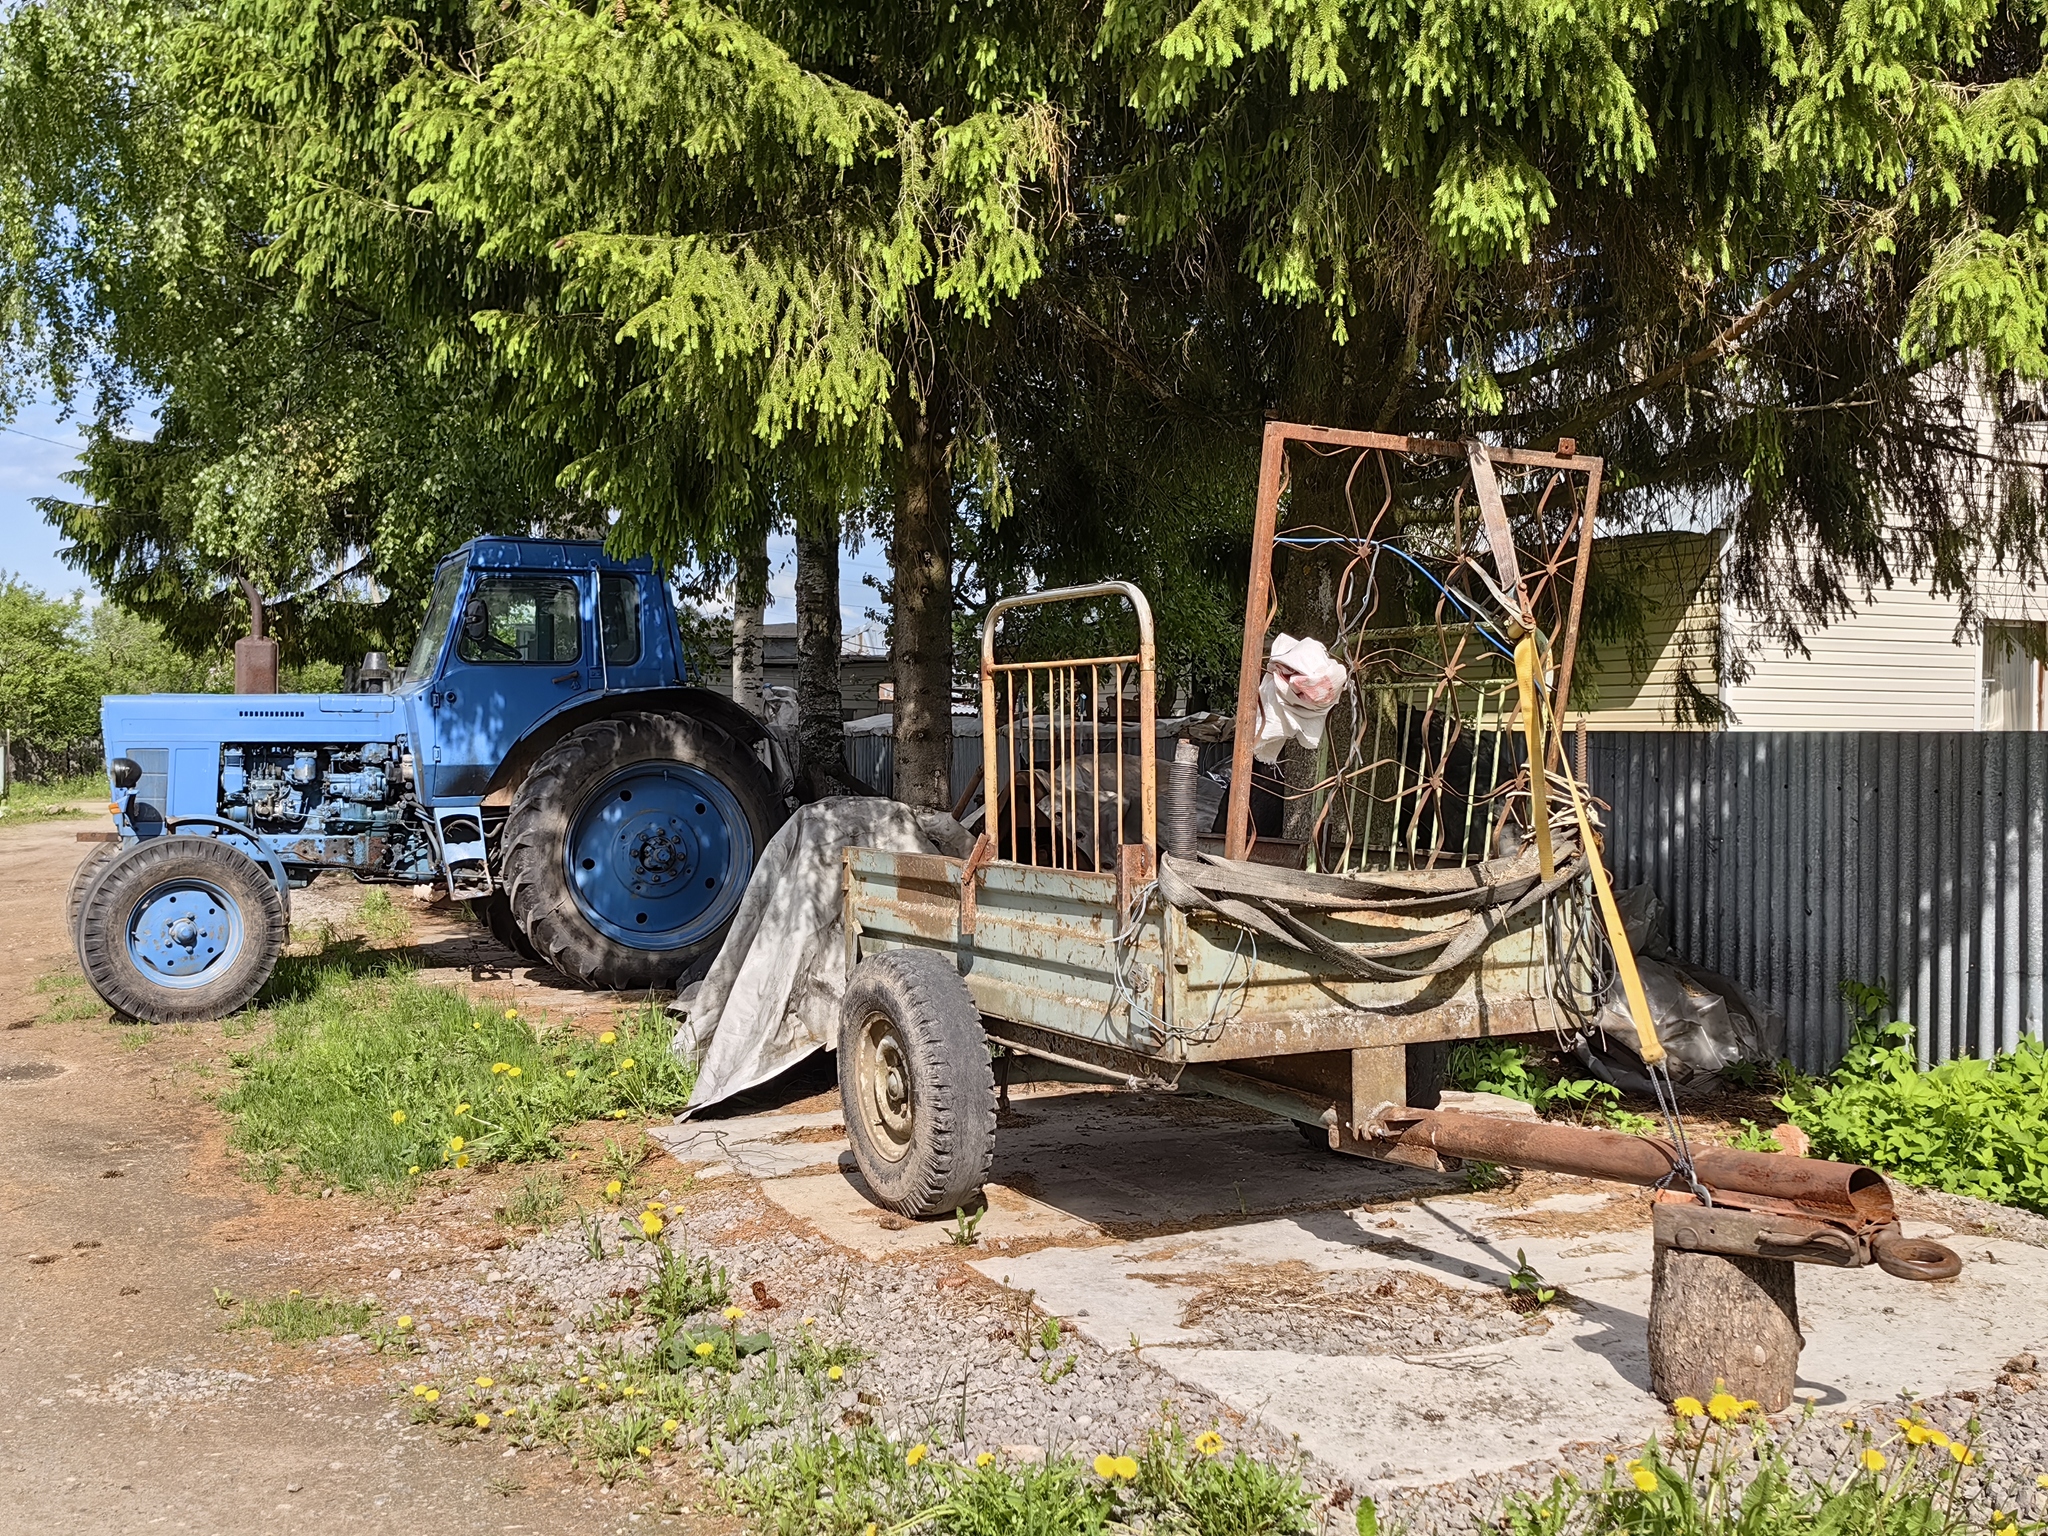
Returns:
point(36, 448)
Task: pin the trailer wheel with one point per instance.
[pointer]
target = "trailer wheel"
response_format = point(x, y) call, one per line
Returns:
point(915, 1083)
point(630, 843)
point(178, 930)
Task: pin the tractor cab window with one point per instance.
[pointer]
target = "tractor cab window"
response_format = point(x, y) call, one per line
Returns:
point(521, 618)
point(440, 611)
point(618, 618)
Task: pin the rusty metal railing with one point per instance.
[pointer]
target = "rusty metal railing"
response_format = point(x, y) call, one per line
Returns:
point(1050, 731)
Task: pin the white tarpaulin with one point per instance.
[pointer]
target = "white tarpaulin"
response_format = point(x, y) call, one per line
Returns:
point(772, 996)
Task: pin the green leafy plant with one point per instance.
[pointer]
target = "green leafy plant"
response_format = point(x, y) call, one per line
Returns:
point(1515, 1072)
point(540, 1198)
point(1628, 1122)
point(1751, 1137)
point(1525, 1282)
point(682, 1287)
point(962, 1233)
point(1049, 1333)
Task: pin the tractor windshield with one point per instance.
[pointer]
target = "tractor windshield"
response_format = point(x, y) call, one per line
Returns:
point(440, 611)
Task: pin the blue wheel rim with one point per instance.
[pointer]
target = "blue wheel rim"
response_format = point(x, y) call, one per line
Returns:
point(184, 933)
point(659, 856)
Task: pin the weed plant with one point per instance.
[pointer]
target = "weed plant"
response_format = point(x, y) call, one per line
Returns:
point(1722, 1472)
point(1516, 1072)
point(1969, 1127)
point(540, 1198)
point(368, 1078)
point(295, 1318)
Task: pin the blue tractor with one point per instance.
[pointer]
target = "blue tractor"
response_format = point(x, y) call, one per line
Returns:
point(543, 755)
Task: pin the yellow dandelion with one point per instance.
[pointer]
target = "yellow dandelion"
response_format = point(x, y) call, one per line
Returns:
point(1873, 1461)
point(1644, 1479)
point(1105, 1465)
point(670, 1426)
point(1127, 1467)
point(500, 1066)
point(456, 1143)
point(609, 1037)
point(398, 1117)
point(512, 1071)
point(1936, 1437)
point(626, 1065)
point(1209, 1442)
point(810, 1322)
point(617, 1114)
point(483, 1421)
point(420, 1390)
point(476, 1023)
point(1748, 1405)
point(1688, 1408)
point(431, 1395)
point(2041, 1481)
point(612, 1189)
point(836, 1373)
point(571, 1072)
point(1963, 1455)
point(985, 1459)
point(733, 1314)
point(485, 1382)
point(511, 1013)
point(641, 1450)
point(705, 1349)
point(405, 1322)
point(916, 1454)
point(1721, 1407)
point(462, 1109)
point(651, 1224)
point(415, 1168)
point(462, 1160)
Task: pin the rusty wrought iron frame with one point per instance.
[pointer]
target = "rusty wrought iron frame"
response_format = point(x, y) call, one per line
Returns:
point(1258, 613)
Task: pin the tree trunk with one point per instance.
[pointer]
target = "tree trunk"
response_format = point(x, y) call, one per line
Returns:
point(921, 553)
point(749, 614)
point(1720, 1324)
point(821, 737)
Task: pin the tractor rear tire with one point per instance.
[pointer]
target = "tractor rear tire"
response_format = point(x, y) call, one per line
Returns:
point(180, 930)
point(624, 892)
point(495, 913)
point(916, 1084)
point(89, 867)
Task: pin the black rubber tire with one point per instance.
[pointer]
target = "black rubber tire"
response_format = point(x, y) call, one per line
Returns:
point(945, 1143)
point(96, 859)
point(545, 806)
point(110, 900)
point(495, 913)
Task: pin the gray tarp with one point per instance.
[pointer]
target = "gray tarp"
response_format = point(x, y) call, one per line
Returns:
point(772, 996)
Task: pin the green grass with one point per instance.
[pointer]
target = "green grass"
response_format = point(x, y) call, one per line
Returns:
point(295, 1318)
point(367, 1078)
point(383, 921)
point(540, 1198)
point(54, 800)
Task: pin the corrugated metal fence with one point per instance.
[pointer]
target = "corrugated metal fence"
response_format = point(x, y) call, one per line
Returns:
point(1793, 861)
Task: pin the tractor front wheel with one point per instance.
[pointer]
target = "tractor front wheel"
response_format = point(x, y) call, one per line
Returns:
point(178, 930)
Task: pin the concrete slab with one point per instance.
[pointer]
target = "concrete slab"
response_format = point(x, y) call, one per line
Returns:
point(838, 1206)
point(1435, 1348)
point(760, 1146)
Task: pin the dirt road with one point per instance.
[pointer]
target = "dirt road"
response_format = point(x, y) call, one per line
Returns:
point(124, 1405)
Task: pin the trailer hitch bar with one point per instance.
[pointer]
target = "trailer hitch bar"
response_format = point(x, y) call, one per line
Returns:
point(1764, 1205)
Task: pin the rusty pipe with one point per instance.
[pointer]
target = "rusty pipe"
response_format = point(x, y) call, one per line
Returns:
point(1846, 1193)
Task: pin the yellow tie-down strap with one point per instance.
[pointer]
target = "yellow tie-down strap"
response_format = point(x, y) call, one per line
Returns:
point(1648, 1046)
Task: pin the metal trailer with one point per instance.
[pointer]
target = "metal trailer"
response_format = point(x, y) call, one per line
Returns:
point(1047, 952)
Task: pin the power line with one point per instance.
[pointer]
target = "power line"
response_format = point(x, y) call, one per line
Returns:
point(33, 438)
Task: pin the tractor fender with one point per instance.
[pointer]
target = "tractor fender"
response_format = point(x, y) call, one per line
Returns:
point(696, 703)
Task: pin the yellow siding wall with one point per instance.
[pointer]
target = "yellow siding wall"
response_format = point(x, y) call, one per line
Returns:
point(1634, 685)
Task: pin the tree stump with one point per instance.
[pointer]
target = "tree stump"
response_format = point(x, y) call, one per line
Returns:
point(1720, 1324)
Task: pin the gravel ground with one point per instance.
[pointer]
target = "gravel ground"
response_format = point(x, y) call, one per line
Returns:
point(954, 1361)
point(951, 1359)
point(2011, 1442)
